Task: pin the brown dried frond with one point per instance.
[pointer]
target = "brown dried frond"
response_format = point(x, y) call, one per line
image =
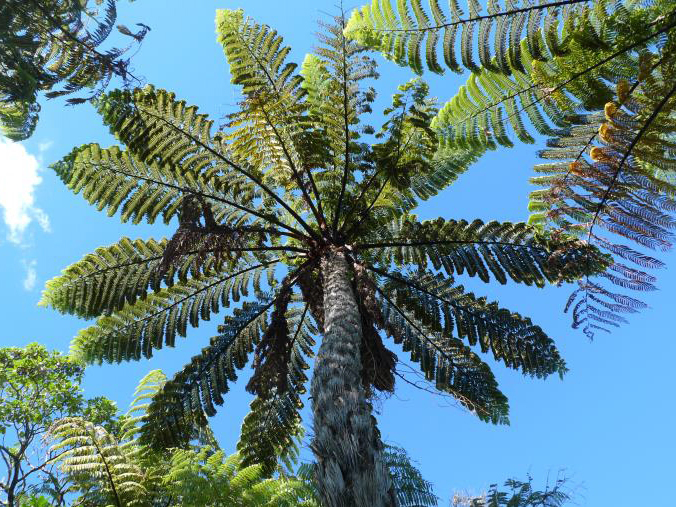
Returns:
point(378, 362)
point(312, 287)
point(273, 353)
point(192, 237)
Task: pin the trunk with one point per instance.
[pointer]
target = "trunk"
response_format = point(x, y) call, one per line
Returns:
point(346, 443)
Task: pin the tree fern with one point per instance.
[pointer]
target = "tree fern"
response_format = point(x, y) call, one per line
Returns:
point(47, 47)
point(289, 183)
point(118, 469)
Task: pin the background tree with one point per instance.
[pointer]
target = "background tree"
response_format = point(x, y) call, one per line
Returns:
point(37, 387)
point(595, 78)
point(52, 46)
point(519, 494)
point(287, 192)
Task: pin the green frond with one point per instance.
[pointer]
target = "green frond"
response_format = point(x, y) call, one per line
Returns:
point(450, 312)
point(446, 361)
point(88, 450)
point(183, 401)
point(336, 98)
point(514, 250)
point(147, 388)
point(209, 477)
point(112, 277)
point(600, 174)
point(159, 129)
point(482, 112)
point(272, 427)
point(256, 56)
point(402, 33)
point(267, 131)
point(18, 118)
point(412, 488)
point(409, 164)
point(53, 47)
point(542, 91)
point(149, 323)
point(119, 181)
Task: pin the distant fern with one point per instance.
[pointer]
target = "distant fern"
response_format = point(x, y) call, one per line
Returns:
point(519, 493)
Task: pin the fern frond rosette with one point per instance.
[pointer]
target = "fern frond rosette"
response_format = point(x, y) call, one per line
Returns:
point(304, 232)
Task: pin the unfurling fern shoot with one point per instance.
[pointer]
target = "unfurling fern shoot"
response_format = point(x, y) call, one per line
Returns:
point(289, 183)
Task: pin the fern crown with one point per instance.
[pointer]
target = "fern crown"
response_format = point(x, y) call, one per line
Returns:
point(289, 178)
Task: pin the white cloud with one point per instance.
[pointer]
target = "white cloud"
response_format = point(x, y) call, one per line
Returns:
point(44, 146)
point(31, 274)
point(19, 176)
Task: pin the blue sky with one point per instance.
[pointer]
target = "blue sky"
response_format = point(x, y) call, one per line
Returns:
point(608, 423)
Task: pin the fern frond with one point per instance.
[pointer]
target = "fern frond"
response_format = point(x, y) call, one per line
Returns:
point(191, 393)
point(209, 477)
point(599, 50)
point(147, 388)
point(118, 181)
point(409, 164)
point(514, 250)
point(336, 99)
point(268, 131)
point(156, 127)
point(602, 175)
point(150, 323)
point(89, 450)
point(48, 48)
point(453, 367)
point(401, 36)
point(106, 280)
point(450, 311)
point(412, 488)
point(479, 115)
point(270, 430)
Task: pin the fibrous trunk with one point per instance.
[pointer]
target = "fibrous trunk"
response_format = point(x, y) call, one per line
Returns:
point(350, 471)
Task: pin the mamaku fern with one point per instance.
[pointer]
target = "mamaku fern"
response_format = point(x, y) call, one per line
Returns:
point(52, 46)
point(593, 76)
point(306, 232)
